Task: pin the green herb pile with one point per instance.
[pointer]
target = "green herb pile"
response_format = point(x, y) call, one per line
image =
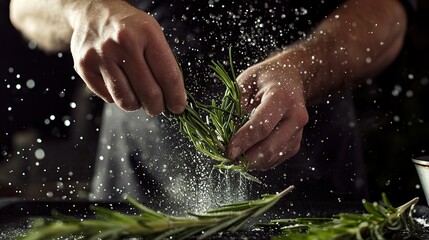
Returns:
point(148, 224)
point(210, 127)
point(380, 221)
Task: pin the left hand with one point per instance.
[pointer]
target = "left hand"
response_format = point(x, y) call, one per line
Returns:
point(274, 89)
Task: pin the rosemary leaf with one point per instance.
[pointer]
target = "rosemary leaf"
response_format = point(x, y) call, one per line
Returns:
point(379, 221)
point(210, 127)
point(149, 224)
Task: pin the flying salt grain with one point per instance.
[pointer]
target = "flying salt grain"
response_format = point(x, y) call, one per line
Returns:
point(368, 60)
point(32, 45)
point(39, 153)
point(30, 83)
point(396, 90)
point(409, 93)
point(67, 123)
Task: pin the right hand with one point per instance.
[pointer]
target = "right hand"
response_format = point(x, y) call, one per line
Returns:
point(122, 55)
point(273, 91)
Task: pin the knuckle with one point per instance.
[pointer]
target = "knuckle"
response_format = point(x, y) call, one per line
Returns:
point(125, 38)
point(264, 129)
point(294, 150)
point(153, 95)
point(294, 147)
point(106, 48)
point(172, 77)
point(302, 117)
point(86, 60)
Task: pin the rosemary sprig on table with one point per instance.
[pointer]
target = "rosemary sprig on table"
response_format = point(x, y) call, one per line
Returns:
point(210, 127)
point(379, 221)
point(150, 224)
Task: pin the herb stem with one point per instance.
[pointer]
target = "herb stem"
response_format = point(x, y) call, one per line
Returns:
point(210, 127)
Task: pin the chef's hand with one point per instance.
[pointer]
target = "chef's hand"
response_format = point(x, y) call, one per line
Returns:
point(122, 55)
point(274, 89)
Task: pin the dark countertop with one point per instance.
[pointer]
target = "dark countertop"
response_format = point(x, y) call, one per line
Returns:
point(15, 213)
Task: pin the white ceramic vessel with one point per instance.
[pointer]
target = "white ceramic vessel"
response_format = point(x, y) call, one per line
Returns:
point(422, 167)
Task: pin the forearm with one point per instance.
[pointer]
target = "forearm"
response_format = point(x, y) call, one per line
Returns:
point(355, 42)
point(43, 21)
point(49, 23)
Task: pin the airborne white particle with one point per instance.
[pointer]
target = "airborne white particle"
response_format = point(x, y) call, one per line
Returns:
point(39, 153)
point(409, 93)
point(368, 60)
point(30, 83)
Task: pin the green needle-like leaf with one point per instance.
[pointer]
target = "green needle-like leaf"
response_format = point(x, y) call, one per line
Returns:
point(149, 224)
point(210, 127)
point(379, 221)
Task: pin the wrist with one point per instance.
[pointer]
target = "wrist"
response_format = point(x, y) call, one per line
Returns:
point(310, 59)
point(301, 68)
point(78, 11)
point(74, 10)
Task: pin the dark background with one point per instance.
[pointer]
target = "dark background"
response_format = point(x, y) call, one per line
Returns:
point(34, 119)
point(392, 110)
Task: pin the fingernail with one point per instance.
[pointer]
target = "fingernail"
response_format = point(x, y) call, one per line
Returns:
point(177, 109)
point(235, 152)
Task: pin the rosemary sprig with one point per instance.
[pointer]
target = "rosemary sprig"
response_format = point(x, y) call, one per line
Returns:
point(210, 127)
point(379, 221)
point(150, 224)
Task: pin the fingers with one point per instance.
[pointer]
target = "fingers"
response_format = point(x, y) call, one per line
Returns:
point(105, 77)
point(265, 118)
point(118, 86)
point(145, 87)
point(154, 74)
point(283, 143)
point(131, 66)
point(165, 70)
point(98, 87)
point(87, 68)
point(273, 133)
